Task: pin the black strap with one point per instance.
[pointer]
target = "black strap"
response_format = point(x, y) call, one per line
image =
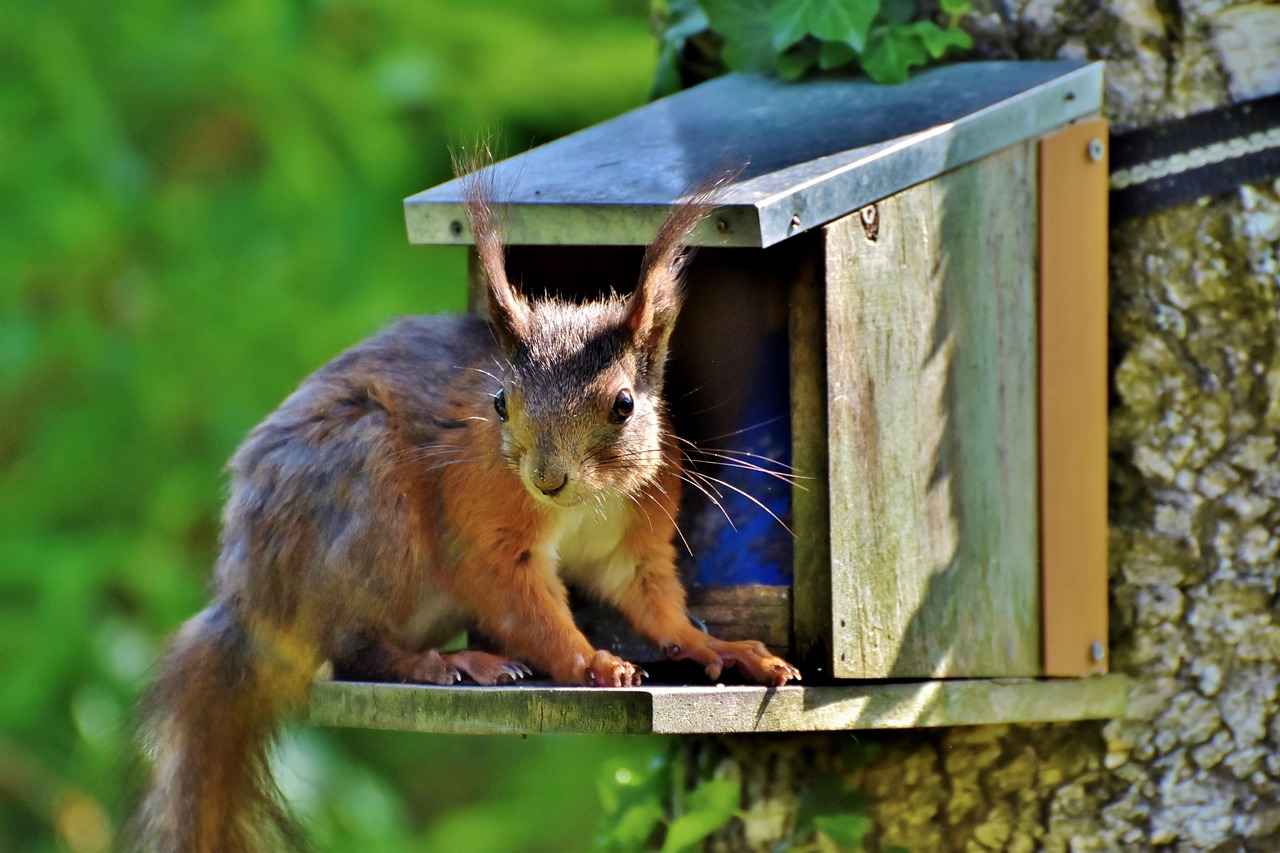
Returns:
point(1201, 155)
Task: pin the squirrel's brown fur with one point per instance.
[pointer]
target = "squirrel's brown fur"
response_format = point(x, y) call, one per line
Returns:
point(449, 473)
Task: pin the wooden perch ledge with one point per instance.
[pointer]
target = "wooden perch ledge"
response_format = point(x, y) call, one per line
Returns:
point(534, 709)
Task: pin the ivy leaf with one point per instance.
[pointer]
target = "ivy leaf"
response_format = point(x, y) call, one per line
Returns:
point(631, 799)
point(892, 52)
point(899, 11)
point(845, 831)
point(795, 62)
point(632, 829)
point(936, 40)
point(621, 785)
point(848, 21)
point(744, 26)
point(834, 54)
point(708, 807)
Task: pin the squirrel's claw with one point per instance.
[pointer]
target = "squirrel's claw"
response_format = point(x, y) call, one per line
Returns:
point(431, 667)
point(489, 669)
point(608, 670)
point(512, 672)
point(751, 657)
point(784, 672)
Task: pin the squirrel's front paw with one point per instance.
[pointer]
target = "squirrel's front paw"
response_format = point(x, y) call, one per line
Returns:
point(752, 658)
point(609, 670)
point(758, 663)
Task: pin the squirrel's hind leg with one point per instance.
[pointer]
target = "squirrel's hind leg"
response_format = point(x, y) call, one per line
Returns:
point(371, 659)
point(487, 668)
point(366, 658)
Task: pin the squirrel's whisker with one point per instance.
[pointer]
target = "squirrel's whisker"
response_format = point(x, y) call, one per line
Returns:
point(692, 478)
point(731, 452)
point(759, 425)
point(789, 479)
point(749, 497)
point(478, 370)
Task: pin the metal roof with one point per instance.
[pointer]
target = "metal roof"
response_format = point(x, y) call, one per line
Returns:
point(815, 150)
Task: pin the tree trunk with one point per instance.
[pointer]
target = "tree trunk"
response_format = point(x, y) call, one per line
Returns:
point(1195, 506)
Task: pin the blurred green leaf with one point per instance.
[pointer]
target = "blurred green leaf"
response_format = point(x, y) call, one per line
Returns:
point(937, 41)
point(793, 64)
point(708, 807)
point(892, 52)
point(632, 801)
point(834, 54)
point(847, 21)
point(633, 827)
point(883, 38)
point(845, 831)
point(747, 31)
point(897, 11)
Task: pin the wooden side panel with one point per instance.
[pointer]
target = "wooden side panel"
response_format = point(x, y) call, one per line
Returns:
point(1073, 398)
point(810, 504)
point(931, 403)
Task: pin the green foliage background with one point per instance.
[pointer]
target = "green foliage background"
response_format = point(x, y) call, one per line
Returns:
point(199, 203)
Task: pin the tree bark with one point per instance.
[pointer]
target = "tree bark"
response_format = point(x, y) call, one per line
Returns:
point(1195, 506)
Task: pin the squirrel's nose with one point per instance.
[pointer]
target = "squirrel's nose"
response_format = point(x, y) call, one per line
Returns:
point(551, 484)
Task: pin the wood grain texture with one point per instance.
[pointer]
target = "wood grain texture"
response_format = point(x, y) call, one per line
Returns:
point(932, 423)
point(810, 505)
point(746, 612)
point(545, 709)
point(1073, 400)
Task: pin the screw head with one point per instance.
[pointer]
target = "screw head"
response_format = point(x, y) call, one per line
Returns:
point(1096, 149)
point(870, 216)
point(1097, 652)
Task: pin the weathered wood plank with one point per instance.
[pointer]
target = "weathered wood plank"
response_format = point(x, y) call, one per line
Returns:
point(810, 511)
point(1073, 399)
point(480, 710)
point(689, 710)
point(746, 612)
point(931, 387)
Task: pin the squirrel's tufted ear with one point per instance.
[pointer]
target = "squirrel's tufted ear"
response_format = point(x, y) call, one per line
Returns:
point(508, 311)
point(652, 308)
point(651, 312)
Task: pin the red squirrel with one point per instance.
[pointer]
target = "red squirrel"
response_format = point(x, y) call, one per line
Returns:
point(449, 473)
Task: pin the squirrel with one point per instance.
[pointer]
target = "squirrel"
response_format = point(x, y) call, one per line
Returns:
point(450, 473)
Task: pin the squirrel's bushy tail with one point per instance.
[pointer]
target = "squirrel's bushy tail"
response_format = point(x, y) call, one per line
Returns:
point(208, 724)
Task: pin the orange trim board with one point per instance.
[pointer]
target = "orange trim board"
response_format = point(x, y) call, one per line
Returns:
point(1073, 398)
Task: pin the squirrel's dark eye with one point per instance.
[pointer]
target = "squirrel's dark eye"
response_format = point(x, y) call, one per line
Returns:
point(500, 404)
point(623, 406)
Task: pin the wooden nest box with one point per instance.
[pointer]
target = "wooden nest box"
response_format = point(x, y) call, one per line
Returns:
point(898, 309)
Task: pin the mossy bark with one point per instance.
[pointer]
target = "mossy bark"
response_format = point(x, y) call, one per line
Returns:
point(1195, 506)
